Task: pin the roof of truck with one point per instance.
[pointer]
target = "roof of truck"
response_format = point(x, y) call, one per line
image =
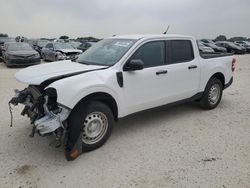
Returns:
point(148, 36)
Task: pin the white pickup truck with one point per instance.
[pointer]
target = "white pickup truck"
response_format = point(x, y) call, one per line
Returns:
point(80, 101)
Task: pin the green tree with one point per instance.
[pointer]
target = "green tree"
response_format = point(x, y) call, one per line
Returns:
point(93, 39)
point(64, 37)
point(3, 35)
point(221, 38)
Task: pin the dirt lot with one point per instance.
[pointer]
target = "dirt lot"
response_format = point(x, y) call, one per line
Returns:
point(181, 146)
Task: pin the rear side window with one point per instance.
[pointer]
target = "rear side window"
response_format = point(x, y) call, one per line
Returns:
point(151, 53)
point(180, 51)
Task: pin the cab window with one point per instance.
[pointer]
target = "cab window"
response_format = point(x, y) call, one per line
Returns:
point(151, 53)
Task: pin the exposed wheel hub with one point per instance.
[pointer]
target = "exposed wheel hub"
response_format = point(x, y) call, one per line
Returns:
point(94, 127)
point(214, 94)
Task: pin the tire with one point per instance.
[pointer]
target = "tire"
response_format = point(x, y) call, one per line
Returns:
point(56, 58)
point(212, 94)
point(93, 122)
point(43, 57)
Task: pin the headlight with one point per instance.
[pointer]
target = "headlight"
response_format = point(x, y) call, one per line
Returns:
point(61, 55)
point(9, 56)
point(37, 55)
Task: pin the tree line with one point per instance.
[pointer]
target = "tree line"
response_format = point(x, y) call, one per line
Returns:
point(219, 38)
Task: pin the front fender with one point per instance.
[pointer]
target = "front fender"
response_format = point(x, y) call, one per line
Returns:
point(71, 90)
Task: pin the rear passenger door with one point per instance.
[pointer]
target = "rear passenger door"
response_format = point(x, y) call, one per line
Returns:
point(183, 68)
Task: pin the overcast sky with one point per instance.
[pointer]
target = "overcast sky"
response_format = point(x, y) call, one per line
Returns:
point(103, 18)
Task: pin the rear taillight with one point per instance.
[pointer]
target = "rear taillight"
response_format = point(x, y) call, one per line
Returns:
point(233, 64)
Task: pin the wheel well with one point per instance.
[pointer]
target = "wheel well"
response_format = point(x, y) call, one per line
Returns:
point(103, 97)
point(220, 77)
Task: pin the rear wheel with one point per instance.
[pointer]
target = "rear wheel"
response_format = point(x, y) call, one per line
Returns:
point(212, 94)
point(93, 122)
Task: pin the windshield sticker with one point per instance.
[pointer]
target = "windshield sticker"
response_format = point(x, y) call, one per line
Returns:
point(122, 43)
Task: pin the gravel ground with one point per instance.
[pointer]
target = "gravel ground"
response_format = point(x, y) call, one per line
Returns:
point(181, 146)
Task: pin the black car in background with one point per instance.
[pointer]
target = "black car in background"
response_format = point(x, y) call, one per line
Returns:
point(39, 44)
point(215, 47)
point(231, 47)
point(85, 45)
point(55, 51)
point(2, 41)
point(19, 54)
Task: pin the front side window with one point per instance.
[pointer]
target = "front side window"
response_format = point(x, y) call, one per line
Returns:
point(151, 53)
point(180, 51)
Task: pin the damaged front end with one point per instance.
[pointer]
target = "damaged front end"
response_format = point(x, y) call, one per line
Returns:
point(47, 116)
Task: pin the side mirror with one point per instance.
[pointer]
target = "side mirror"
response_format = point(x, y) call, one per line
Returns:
point(134, 64)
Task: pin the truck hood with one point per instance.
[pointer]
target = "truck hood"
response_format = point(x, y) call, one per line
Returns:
point(37, 74)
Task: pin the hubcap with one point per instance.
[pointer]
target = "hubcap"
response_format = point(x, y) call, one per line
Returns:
point(214, 94)
point(94, 127)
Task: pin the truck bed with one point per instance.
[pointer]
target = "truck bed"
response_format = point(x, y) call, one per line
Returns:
point(214, 55)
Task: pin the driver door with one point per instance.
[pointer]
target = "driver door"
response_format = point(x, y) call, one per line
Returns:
point(145, 88)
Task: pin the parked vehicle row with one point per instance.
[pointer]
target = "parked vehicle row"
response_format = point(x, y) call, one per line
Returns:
point(244, 44)
point(231, 47)
point(237, 47)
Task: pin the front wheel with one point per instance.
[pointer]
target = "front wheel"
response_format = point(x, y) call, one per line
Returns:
point(212, 94)
point(93, 123)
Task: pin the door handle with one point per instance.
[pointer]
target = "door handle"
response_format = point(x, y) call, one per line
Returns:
point(192, 67)
point(161, 72)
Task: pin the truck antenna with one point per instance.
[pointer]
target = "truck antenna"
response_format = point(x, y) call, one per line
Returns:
point(166, 30)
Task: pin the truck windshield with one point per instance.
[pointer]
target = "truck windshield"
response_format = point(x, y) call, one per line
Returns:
point(106, 52)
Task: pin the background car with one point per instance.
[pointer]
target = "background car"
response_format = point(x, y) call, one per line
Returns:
point(19, 54)
point(38, 45)
point(207, 41)
point(215, 47)
point(203, 48)
point(85, 45)
point(3, 40)
point(230, 46)
point(55, 51)
point(244, 44)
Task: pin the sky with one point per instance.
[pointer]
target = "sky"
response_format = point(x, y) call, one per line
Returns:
point(104, 18)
